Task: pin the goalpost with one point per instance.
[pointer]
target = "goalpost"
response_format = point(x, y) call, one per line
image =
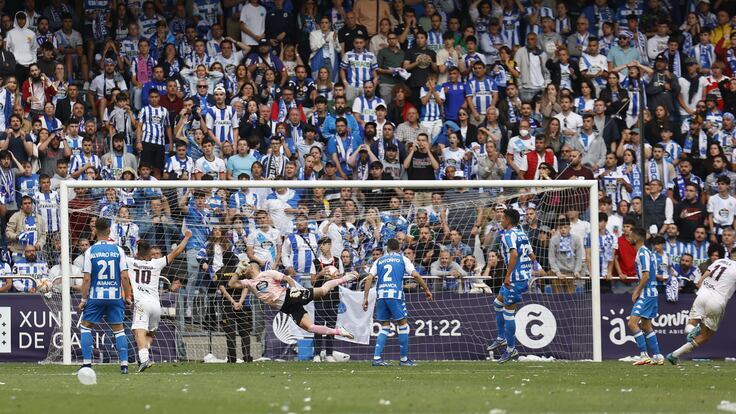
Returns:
point(463, 315)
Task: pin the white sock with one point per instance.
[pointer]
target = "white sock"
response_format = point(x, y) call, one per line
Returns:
point(685, 349)
point(143, 355)
point(689, 328)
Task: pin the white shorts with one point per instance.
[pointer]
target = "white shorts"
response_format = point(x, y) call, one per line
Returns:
point(708, 308)
point(146, 316)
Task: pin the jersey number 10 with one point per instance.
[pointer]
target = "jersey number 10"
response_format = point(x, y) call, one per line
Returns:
point(142, 276)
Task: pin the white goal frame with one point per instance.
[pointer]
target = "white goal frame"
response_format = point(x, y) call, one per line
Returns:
point(65, 186)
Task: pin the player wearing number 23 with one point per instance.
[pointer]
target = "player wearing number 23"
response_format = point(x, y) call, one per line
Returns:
point(519, 258)
point(105, 292)
point(390, 301)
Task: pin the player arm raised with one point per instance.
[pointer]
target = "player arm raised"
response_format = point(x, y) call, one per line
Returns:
point(179, 247)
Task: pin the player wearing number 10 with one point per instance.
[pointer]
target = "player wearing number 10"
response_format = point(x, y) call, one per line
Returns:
point(390, 303)
point(105, 292)
point(147, 308)
point(517, 253)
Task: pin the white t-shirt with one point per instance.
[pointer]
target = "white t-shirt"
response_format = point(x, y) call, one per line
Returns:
point(254, 18)
point(519, 148)
point(276, 206)
point(212, 168)
point(264, 244)
point(571, 121)
point(723, 210)
point(144, 277)
point(722, 278)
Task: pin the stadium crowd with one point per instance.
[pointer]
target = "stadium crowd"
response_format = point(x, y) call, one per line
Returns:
point(370, 90)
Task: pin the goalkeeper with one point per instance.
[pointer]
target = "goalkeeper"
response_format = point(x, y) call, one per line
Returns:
point(268, 287)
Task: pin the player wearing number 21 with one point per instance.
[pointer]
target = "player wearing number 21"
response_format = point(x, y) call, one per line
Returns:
point(390, 300)
point(519, 257)
point(105, 292)
point(147, 307)
point(715, 289)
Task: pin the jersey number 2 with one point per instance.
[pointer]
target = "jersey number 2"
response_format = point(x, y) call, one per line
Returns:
point(387, 269)
point(142, 276)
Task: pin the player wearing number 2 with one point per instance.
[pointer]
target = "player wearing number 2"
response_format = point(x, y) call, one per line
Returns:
point(147, 307)
point(715, 289)
point(105, 292)
point(390, 303)
point(517, 253)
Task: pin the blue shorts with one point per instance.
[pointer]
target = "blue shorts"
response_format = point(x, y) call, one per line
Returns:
point(390, 310)
point(512, 296)
point(113, 311)
point(646, 308)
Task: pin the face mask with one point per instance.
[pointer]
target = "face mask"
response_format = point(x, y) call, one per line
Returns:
point(523, 133)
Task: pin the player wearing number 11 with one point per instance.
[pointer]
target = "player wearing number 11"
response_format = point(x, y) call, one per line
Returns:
point(715, 289)
point(105, 292)
point(147, 307)
point(390, 303)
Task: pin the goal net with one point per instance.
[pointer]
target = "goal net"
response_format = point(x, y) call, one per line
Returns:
point(450, 230)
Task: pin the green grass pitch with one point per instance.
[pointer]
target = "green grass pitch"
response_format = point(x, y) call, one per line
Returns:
point(355, 387)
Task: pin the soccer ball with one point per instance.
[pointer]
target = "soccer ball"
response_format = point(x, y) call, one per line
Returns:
point(87, 376)
point(332, 271)
point(44, 286)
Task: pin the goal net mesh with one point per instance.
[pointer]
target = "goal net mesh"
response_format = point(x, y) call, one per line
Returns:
point(451, 235)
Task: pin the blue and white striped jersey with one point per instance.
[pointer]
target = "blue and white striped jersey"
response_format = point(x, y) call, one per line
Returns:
point(80, 160)
point(366, 108)
point(154, 122)
point(296, 252)
point(7, 186)
point(105, 262)
point(208, 10)
point(675, 249)
point(390, 270)
point(432, 111)
point(482, 92)
point(223, 122)
point(516, 239)
point(176, 166)
point(37, 270)
point(542, 12)
point(359, 67)
point(645, 262)
point(48, 207)
point(193, 60)
point(434, 40)
point(699, 252)
point(510, 27)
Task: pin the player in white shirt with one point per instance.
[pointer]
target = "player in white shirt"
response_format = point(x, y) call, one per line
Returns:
point(721, 208)
point(715, 289)
point(145, 273)
point(263, 245)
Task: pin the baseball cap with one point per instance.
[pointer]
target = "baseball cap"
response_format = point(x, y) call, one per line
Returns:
point(329, 164)
point(263, 42)
point(711, 97)
point(220, 89)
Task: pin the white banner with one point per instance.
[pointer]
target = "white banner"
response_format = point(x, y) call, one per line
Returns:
point(351, 316)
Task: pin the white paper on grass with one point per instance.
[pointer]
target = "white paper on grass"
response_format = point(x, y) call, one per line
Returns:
point(352, 317)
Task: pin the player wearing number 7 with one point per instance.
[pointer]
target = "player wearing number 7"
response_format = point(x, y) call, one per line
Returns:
point(147, 306)
point(105, 292)
point(390, 301)
point(715, 289)
point(517, 252)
